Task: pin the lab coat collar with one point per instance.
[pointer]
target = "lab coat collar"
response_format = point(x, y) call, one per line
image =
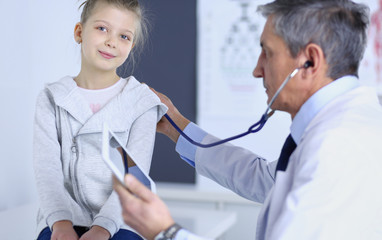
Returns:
point(317, 101)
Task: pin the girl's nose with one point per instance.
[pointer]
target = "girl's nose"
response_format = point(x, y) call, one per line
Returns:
point(110, 42)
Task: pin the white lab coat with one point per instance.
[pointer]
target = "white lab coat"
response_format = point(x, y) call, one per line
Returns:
point(331, 187)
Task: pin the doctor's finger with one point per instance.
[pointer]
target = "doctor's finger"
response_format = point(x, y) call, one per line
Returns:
point(138, 189)
point(123, 193)
point(163, 98)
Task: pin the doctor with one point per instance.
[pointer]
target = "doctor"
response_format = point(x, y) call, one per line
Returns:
point(329, 187)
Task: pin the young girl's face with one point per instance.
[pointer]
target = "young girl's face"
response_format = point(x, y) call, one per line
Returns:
point(107, 37)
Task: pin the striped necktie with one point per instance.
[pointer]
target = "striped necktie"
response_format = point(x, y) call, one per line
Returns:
point(288, 148)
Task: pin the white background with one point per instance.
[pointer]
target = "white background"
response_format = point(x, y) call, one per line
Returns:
point(37, 47)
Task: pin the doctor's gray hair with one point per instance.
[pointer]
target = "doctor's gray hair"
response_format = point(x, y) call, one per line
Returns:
point(337, 26)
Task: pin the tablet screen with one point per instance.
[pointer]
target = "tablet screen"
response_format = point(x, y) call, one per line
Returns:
point(120, 161)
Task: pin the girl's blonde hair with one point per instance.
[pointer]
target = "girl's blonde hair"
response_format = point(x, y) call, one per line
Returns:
point(141, 30)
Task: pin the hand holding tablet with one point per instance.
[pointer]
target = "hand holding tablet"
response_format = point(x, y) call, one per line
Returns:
point(120, 161)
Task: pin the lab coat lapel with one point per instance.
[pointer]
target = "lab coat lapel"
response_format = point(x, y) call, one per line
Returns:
point(263, 218)
point(275, 201)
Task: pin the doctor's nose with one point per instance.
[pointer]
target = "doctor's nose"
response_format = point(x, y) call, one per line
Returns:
point(258, 72)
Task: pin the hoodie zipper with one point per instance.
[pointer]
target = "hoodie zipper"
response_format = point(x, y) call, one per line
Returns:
point(73, 165)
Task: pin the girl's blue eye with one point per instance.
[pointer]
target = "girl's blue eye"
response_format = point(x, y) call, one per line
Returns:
point(125, 37)
point(102, 29)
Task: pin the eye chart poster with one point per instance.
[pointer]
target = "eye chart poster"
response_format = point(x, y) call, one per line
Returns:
point(230, 99)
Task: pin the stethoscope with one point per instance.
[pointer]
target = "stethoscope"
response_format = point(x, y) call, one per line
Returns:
point(252, 129)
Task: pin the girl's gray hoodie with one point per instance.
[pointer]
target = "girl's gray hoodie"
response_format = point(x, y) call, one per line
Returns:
point(73, 182)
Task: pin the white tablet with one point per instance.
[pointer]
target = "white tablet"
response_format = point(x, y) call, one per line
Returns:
point(120, 161)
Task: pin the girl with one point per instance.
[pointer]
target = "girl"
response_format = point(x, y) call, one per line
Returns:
point(73, 183)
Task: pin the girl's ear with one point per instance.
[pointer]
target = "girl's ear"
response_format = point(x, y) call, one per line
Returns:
point(78, 33)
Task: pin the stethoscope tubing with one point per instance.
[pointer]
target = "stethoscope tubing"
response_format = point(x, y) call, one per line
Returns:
point(260, 124)
point(252, 129)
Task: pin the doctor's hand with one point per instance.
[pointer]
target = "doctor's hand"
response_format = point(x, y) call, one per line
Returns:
point(164, 125)
point(142, 209)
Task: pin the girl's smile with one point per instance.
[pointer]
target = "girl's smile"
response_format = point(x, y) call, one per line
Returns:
point(106, 55)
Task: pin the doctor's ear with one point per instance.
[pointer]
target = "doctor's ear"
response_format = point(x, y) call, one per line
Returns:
point(315, 58)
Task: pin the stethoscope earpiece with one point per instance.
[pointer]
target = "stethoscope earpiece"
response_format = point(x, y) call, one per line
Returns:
point(308, 64)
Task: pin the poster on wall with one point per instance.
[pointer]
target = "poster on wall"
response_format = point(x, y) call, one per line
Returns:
point(371, 67)
point(228, 48)
point(229, 98)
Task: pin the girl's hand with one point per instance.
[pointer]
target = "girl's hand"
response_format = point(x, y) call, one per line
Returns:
point(96, 233)
point(63, 230)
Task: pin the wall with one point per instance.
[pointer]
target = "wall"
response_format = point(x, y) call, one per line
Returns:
point(37, 47)
point(168, 65)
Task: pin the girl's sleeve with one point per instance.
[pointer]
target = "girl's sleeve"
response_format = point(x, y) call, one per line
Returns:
point(54, 199)
point(140, 145)
point(142, 138)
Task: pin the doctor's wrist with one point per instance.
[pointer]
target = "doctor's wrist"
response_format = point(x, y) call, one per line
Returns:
point(182, 123)
point(169, 233)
